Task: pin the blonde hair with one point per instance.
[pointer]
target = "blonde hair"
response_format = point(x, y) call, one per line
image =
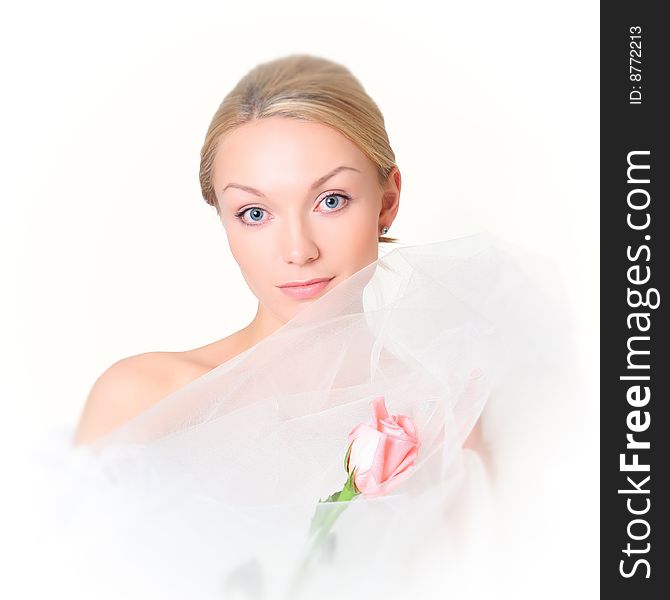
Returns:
point(301, 86)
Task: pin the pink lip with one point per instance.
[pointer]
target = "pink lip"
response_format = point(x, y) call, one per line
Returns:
point(306, 289)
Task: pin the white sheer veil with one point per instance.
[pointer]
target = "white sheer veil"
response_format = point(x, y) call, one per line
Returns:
point(209, 493)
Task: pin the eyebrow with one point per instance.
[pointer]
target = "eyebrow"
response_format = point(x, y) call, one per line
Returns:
point(320, 181)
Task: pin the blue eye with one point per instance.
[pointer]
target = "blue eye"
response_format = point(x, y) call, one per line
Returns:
point(335, 199)
point(255, 213)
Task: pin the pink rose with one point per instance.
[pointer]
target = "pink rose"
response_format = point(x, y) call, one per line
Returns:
point(383, 451)
point(379, 456)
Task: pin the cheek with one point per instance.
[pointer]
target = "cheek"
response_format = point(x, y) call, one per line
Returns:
point(248, 254)
point(360, 239)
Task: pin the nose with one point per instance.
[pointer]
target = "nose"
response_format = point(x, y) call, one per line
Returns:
point(298, 243)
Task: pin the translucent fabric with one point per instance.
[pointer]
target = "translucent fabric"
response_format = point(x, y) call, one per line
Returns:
point(210, 493)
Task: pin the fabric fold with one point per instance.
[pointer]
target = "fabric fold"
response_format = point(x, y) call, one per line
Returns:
point(210, 493)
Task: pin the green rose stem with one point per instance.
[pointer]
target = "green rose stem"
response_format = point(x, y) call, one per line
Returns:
point(322, 523)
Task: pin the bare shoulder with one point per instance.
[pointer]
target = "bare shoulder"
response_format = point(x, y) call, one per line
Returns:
point(130, 386)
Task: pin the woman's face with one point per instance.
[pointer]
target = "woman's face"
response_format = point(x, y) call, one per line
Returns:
point(298, 201)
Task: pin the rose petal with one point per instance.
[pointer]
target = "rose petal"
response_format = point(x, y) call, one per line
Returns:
point(395, 452)
point(407, 425)
point(390, 427)
point(379, 410)
point(366, 484)
point(406, 464)
point(377, 466)
point(364, 448)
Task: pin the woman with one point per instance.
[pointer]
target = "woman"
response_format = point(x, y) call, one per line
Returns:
point(299, 167)
point(204, 473)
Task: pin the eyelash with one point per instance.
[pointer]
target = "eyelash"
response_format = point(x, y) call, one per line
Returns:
point(239, 215)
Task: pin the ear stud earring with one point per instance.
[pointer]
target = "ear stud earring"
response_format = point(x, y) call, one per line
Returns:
point(385, 230)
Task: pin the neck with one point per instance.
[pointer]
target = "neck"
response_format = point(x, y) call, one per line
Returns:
point(262, 325)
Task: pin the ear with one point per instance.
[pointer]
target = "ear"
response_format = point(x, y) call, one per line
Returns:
point(390, 198)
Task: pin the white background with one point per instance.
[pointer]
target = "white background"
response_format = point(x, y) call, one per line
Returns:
point(108, 248)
